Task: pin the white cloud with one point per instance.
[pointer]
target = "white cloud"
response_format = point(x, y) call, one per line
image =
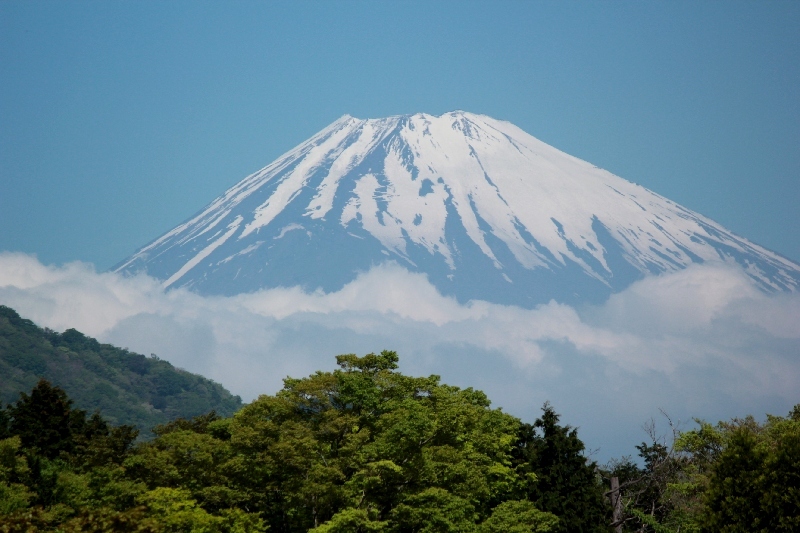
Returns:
point(700, 342)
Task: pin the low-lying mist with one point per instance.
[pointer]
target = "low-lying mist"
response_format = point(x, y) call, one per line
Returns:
point(703, 342)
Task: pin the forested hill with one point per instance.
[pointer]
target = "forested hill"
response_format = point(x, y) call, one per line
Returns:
point(127, 387)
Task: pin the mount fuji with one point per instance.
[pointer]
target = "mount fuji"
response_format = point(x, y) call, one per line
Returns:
point(481, 207)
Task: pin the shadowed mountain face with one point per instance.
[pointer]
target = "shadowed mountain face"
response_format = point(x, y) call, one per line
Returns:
point(485, 210)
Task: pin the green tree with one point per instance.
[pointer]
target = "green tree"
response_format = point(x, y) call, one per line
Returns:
point(362, 448)
point(5, 421)
point(351, 521)
point(14, 471)
point(734, 492)
point(176, 511)
point(732, 476)
point(434, 510)
point(372, 440)
point(754, 484)
point(565, 483)
point(519, 517)
point(780, 483)
point(44, 420)
point(187, 455)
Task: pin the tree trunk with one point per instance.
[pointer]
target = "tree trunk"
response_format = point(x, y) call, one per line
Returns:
point(616, 504)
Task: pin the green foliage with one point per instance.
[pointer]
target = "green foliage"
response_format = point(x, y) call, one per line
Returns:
point(127, 387)
point(565, 483)
point(367, 449)
point(61, 470)
point(14, 495)
point(175, 511)
point(737, 476)
point(363, 448)
point(5, 420)
point(48, 426)
point(650, 521)
point(655, 496)
point(351, 520)
point(44, 421)
point(389, 447)
point(733, 492)
point(519, 516)
point(434, 510)
point(754, 485)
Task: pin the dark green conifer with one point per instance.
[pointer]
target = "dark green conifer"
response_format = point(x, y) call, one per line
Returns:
point(44, 420)
point(566, 482)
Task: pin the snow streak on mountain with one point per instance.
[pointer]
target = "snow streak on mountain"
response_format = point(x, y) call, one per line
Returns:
point(485, 210)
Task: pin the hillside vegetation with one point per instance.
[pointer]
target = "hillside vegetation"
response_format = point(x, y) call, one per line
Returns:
point(367, 449)
point(128, 388)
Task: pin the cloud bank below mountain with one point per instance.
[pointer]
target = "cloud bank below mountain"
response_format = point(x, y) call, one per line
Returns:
point(703, 341)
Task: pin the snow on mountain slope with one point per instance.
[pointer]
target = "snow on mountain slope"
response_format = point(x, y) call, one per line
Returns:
point(484, 209)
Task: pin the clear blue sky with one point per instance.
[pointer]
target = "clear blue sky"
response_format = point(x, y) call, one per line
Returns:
point(120, 119)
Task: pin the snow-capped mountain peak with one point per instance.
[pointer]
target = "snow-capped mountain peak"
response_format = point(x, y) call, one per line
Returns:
point(484, 209)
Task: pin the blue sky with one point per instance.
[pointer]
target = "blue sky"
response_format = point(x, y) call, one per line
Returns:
point(118, 120)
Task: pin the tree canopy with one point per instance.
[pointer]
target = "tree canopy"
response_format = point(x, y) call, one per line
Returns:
point(365, 448)
point(361, 448)
point(730, 477)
